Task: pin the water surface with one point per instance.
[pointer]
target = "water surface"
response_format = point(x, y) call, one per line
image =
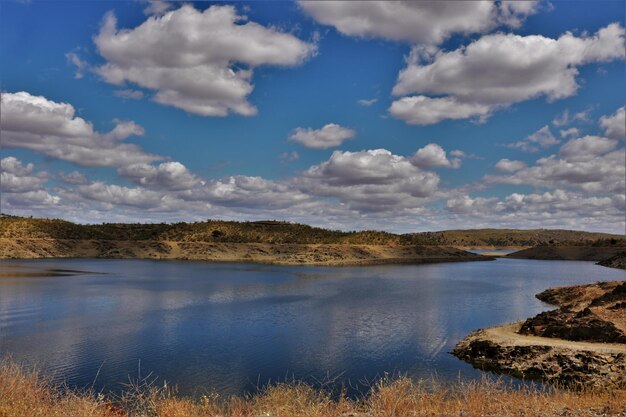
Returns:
point(231, 327)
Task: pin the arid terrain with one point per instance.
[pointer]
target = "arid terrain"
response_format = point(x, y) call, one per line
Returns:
point(271, 242)
point(278, 253)
point(571, 253)
point(26, 393)
point(582, 343)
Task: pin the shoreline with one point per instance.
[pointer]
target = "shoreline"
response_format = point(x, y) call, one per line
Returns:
point(578, 345)
point(26, 392)
point(262, 253)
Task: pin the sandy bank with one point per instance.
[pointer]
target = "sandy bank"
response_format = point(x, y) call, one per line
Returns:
point(284, 254)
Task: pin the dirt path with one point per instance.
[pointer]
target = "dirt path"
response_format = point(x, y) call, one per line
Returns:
point(506, 335)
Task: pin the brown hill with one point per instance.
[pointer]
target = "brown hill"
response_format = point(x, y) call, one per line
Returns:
point(275, 232)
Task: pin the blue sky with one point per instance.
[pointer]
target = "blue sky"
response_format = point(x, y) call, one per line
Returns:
point(396, 116)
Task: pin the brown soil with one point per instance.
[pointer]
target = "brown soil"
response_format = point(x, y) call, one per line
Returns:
point(617, 261)
point(568, 253)
point(573, 364)
point(287, 254)
point(581, 343)
point(595, 313)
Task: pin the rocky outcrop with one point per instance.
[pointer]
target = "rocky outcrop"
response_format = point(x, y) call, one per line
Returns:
point(572, 366)
point(593, 313)
point(582, 343)
point(585, 325)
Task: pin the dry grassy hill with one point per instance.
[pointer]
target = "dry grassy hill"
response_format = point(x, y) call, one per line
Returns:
point(276, 232)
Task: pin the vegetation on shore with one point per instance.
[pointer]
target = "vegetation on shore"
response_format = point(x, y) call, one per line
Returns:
point(26, 393)
point(276, 232)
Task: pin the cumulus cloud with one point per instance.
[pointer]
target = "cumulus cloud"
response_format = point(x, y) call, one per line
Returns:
point(590, 164)
point(42, 125)
point(497, 71)
point(20, 186)
point(74, 177)
point(423, 110)
point(423, 22)
point(541, 139)
point(125, 196)
point(329, 136)
point(507, 165)
point(614, 125)
point(198, 61)
point(17, 178)
point(433, 155)
point(251, 192)
point(157, 7)
point(586, 148)
point(369, 181)
point(167, 175)
point(558, 208)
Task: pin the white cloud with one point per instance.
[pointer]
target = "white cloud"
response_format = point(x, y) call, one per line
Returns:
point(367, 102)
point(497, 71)
point(74, 177)
point(289, 156)
point(422, 110)
point(433, 155)
point(157, 7)
point(558, 208)
point(117, 195)
point(45, 126)
point(129, 94)
point(199, 61)
point(167, 175)
point(586, 148)
point(251, 192)
point(423, 22)
point(81, 66)
point(327, 137)
point(572, 132)
point(565, 118)
point(507, 165)
point(370, 181)
point(614, 125)
point(590, 164)
point(20, 186)
point(541, 139)
point(17, 178)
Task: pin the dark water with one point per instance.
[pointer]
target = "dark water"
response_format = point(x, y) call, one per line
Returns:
point(231, 327)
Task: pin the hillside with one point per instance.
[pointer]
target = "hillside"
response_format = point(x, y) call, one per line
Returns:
point(574, 253)
point(275, 232)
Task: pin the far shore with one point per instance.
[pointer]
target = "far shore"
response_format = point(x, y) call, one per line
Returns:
point(278, 254)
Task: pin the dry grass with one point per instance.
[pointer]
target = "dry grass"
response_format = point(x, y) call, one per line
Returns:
point(25, 393)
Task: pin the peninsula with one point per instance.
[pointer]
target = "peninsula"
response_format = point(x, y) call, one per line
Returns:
point(580, 344)
point(272, 242)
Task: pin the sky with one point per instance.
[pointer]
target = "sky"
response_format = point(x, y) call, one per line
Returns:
point(397, 116)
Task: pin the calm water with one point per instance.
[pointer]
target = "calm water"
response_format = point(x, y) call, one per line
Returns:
point(232, 327)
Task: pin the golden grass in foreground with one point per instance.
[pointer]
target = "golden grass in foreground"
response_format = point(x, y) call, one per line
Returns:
point(24, 393)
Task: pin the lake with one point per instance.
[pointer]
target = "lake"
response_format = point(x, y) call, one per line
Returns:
point(233, 327)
